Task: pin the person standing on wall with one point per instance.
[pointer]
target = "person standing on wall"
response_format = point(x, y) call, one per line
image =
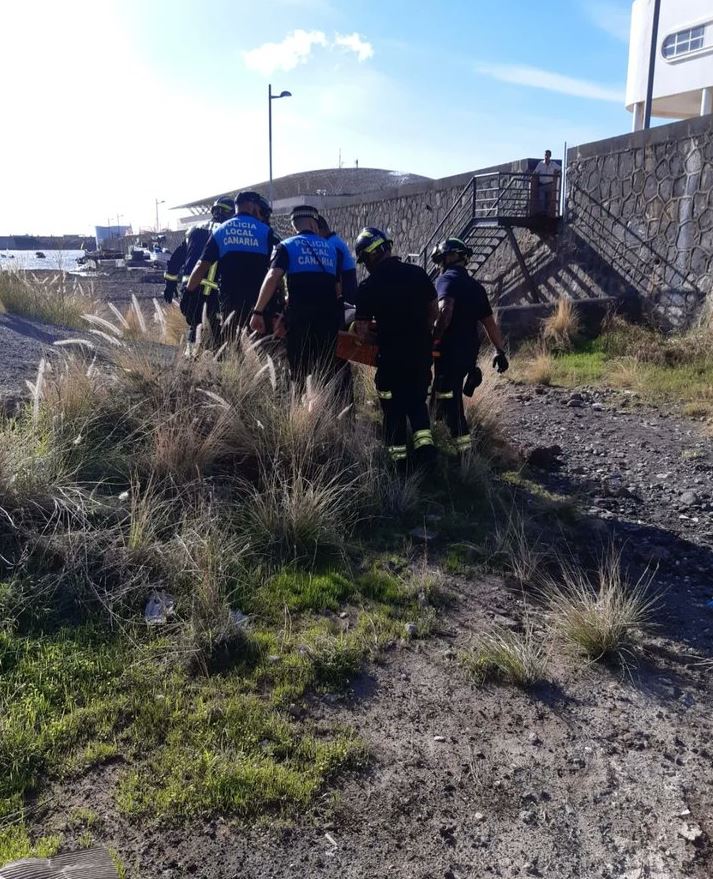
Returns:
point(462, 305)
point(311, 267)
point(183, 260)
point(401, 299)
point(235, 260)
point(545, 172)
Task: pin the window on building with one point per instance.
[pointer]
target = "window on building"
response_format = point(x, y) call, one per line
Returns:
point(684, 42)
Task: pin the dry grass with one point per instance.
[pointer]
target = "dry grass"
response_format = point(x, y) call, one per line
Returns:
point(601, 616)
point(520, 658)
point(57, 299)
point(539, 369)
point(561, 329)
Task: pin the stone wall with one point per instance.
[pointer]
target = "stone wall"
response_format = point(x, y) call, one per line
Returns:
point(638, 226)
point(408, 214)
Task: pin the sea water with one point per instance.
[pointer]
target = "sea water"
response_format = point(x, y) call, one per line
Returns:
point(55, 260)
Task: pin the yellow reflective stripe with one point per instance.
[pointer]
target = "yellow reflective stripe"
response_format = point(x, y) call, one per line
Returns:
point(397, 453)
point(462, 442)
point(167, 277)
point(444, 395)
point(385, 395)
point(422, 438)
point(374, 245)
point(208, 283)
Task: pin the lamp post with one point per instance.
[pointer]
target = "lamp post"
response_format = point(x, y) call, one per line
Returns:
point(162, 201)
point(652, 64)
point(270, 99)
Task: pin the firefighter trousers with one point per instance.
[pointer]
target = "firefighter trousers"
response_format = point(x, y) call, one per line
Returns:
point(448, 394)
point(403, 394)
point(311, 345)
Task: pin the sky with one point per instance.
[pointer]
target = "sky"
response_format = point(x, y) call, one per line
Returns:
point(110, 105)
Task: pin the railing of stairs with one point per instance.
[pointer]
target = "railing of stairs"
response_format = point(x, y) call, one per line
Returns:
point(489, 196)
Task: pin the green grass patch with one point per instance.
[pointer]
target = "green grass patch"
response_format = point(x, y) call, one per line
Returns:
point(677, 368)
point(187, 744)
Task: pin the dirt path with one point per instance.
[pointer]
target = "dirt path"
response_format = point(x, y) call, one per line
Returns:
point(598, 775)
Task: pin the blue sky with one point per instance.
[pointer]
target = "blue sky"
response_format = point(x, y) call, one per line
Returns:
point(128, 101)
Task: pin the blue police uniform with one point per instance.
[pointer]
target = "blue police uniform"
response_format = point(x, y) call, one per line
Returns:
point(312, 266)
point(348, 276)
point(240, 248)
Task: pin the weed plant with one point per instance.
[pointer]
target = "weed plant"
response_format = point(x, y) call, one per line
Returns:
point(56, 299)
point(213, 481)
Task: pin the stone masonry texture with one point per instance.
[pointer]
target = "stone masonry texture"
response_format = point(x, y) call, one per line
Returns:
point(638, 224)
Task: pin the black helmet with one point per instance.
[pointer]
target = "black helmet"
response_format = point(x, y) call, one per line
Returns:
point(370, 240)
point(223, 207)
point(451, 245)
point(255, 198)
point(304, 211)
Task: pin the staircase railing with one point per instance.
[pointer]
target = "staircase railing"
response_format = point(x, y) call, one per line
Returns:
point(499, 195)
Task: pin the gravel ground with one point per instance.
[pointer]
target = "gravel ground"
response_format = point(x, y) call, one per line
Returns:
point(598, 775)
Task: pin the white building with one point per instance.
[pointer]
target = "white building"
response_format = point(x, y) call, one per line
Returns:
point(683, 77)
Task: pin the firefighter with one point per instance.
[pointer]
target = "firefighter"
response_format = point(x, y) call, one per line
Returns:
point(311, 266)
point(238, 253)
point(401, 299)
point(184, 258)
point(462, 305)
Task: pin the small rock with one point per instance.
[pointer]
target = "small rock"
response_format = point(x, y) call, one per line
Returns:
point(573, 403)
point(688, 499)
point(691, 833)
point(545, 457)
point(439, 738)
point(343, 615)
point(411, 630)
point(597, 407)
point(478, 817)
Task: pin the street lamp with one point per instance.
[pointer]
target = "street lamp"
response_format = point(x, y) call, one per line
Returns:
point(652, 64)
point(270, 99)
point(162, 201)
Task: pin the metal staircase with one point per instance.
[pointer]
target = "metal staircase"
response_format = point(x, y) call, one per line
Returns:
point(487, 210)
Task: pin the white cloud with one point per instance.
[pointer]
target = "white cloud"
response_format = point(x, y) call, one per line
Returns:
point(534, 77)
point(354, 43)
point(612, 18)
point(296, 48)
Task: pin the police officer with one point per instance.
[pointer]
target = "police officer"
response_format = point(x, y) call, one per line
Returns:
point(238, 251)
point(186, 255)
point(462, 305)
point(348, 277)
point(311, 266)
point(402, 300)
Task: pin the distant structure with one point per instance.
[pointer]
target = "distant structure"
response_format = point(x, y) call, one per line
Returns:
point(109, 233)
point(683, 81)
point(319, 187)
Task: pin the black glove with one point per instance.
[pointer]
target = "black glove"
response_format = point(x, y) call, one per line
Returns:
point(472, 381)
point(169, 292)
point(500, 362)
point(190, 305)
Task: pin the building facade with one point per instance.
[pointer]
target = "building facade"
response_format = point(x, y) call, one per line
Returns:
point(683, 70)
